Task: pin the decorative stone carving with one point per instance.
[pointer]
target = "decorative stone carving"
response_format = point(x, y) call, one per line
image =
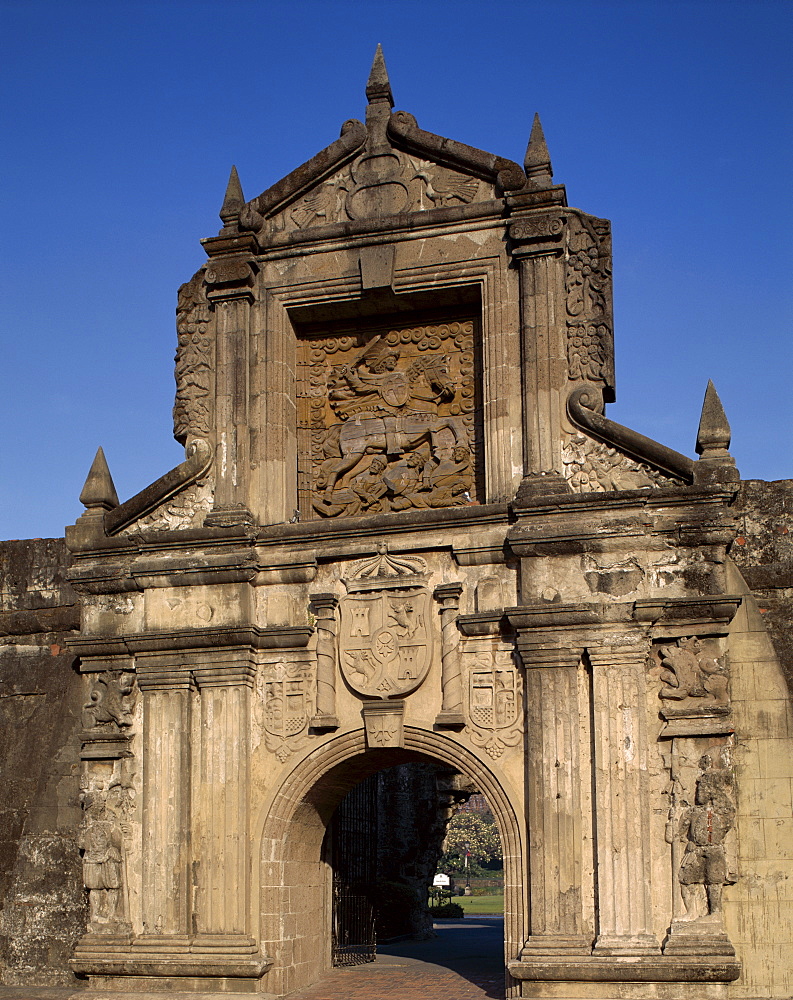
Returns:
point(451, 714)
point(192, 412)
point(112, 702)
point(494, 701)
point(588, 301)
point(285, 700)
point(693, 678)
point(385, 640)
point(592, 467)
point(387, 423)
point(384, 724)
point(381, 182)
point(185, 510)
point(101, 841)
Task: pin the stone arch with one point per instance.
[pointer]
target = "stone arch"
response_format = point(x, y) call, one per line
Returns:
point(294, 884)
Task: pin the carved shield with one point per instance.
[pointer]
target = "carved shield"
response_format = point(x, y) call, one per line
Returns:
point(494, 694)
point(385, 641)
point(285, 706)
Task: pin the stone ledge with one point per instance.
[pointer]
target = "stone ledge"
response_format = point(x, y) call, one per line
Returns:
point(597, 969)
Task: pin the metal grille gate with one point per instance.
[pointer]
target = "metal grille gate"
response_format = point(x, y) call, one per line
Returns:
point(354, 856)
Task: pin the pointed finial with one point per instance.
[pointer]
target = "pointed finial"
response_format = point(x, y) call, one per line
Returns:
point(378, 86)
point(538, 161)
point(714, 432)
point(715, 465)
point(99, 491)
point(233, 200)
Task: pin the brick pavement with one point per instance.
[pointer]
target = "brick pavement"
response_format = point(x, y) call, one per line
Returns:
point(373, 982)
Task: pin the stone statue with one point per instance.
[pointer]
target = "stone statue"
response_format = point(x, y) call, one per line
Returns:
point(102, 843)
point(703, 826)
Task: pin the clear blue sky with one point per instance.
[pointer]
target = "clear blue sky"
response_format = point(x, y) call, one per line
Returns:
point(121, 121)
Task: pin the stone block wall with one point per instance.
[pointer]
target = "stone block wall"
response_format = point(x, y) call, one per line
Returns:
point(42, 900)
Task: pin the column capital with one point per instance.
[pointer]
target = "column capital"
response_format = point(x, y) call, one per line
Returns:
point(323, 602)
point(170, 677)
point(448, 593)
point(626, 654)
point(221, 675)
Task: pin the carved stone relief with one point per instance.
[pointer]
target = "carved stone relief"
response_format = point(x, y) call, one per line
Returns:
point(185, 510)
point(588, 301)
point(694, 678)
point(494, 701)
point(284, 705)
point(192, 412)
point(387, 421)
point(382, 182)
point(386, 638)
point(592, 467)
point(112, 702)
point(108, 804)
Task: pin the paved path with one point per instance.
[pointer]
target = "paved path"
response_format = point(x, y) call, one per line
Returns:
point(465, 962)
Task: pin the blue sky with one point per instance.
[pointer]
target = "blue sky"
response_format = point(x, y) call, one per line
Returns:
point(121, 121)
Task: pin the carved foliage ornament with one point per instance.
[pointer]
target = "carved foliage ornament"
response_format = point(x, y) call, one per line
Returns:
point(588, 301)
point(694, 678)
point(111, 703)
point(593, 467)
point(193, 372)
point(387, 421)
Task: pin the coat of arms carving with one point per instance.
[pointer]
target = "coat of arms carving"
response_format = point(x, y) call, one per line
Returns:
point(286, 705)
point(386, 639)
point(494, 701)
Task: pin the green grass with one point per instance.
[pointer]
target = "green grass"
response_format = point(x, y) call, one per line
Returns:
point(481, 904)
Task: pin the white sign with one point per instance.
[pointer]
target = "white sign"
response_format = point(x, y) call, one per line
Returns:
point(441, 880)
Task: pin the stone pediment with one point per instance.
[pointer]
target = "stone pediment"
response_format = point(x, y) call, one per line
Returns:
point(385, 167)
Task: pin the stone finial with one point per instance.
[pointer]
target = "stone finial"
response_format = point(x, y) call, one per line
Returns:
point(713, 439)
point(537, 162)
point(378, 86)
point(99, 491)
point(233, 201)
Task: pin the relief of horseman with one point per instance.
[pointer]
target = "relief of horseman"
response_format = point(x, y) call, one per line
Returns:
point(385, 411)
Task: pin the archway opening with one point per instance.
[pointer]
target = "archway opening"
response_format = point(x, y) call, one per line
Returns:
point(296, 877)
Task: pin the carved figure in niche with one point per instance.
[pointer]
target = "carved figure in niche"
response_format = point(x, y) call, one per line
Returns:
point(703, 870)
point(689, 673)
point(112, 701)
point(102, 842)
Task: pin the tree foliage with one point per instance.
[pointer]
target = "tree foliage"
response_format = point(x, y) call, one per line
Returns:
point(479, 832)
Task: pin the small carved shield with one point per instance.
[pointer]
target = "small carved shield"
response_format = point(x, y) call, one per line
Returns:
point(385, 641)
point(286, 707)
point(494, 695)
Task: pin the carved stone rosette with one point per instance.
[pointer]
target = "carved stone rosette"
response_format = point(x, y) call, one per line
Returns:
point(386, 421)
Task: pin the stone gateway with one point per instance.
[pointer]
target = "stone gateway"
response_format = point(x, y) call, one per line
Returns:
point(405, 530)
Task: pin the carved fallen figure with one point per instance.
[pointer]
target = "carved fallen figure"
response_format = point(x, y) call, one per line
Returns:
point(692, 677)
point(386, 411)
point(704, 826)
point(102, 842)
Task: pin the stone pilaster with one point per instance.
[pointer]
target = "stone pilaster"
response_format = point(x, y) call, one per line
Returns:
point(451, 714)
point(168, 692)
point(555, 800)
point(324, 606)
point(229, 277)
point(538, 250)
point(622, 801)
point(223, 848)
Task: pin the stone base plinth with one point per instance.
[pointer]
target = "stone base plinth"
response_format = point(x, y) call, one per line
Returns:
point(698, 937)
point(205, 964)
point(604, 978)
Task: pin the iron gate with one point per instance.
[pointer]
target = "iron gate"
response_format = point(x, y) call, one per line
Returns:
point(354, 941)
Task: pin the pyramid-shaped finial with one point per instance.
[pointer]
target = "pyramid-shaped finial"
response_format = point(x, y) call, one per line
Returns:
point(537, 162)
point(714, 432)
point(716, 466)
point(99, 491)
point(378, 86)
point(234, 200)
